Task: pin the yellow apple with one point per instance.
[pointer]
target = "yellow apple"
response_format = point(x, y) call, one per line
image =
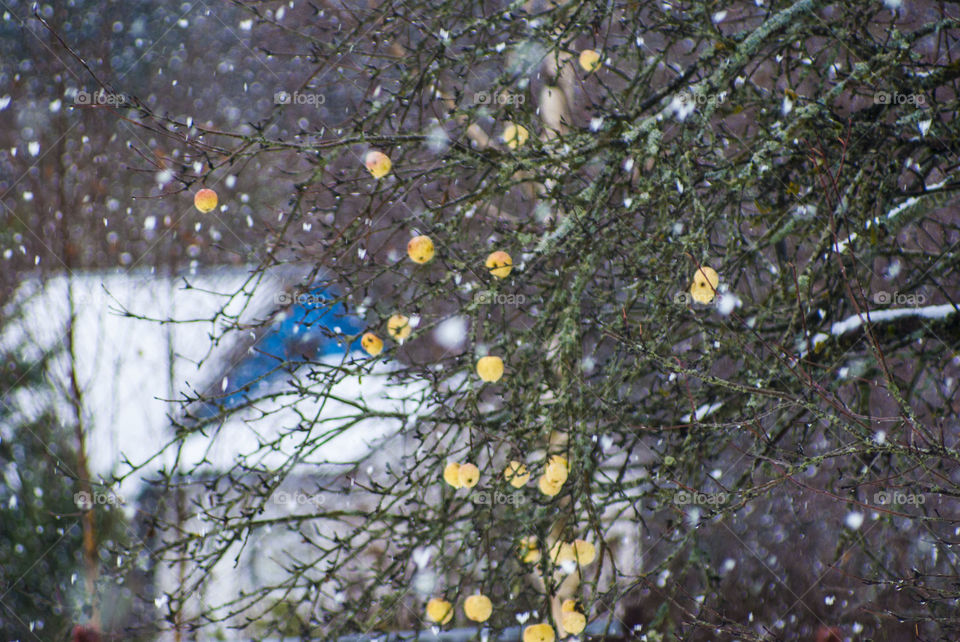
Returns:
point(704, 286)
point(557, 470)
point(371, 343)
point(451, 474)
point(589, 60)
point(515, 135)
point(573, 622)
point(529, 552)
point(499, 263)
point(398, 326)
point(439, 610)
point(517, 474)
point(586, 552)
point(420, 249)
point(377, 163)
point(549, 488)
point(469, 475)
point(478, 607)
point(562, 552)
point(539, 633)
point(205, 200)
point(490, 368)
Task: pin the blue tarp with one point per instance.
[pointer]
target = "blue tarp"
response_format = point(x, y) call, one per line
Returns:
point(311, 327)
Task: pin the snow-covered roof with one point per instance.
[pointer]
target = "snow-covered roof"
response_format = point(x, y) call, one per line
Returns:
point(141, 340)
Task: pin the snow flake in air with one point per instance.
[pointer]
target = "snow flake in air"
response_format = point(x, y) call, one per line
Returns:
point(854, 520)
point(451, 333)
point(787, 105)
point(681, 107)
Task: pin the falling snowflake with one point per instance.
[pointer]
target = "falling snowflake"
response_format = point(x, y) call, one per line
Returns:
point(451, 333)
point(854, 520)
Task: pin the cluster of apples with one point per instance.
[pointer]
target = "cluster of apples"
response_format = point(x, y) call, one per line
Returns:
point(514, 135)
point(421, 250)
point(461, 475)
point(579, 550)
point(572, 620)
point(555, 474)
point(490, 368)
point(479, 608)
point(398, 327)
